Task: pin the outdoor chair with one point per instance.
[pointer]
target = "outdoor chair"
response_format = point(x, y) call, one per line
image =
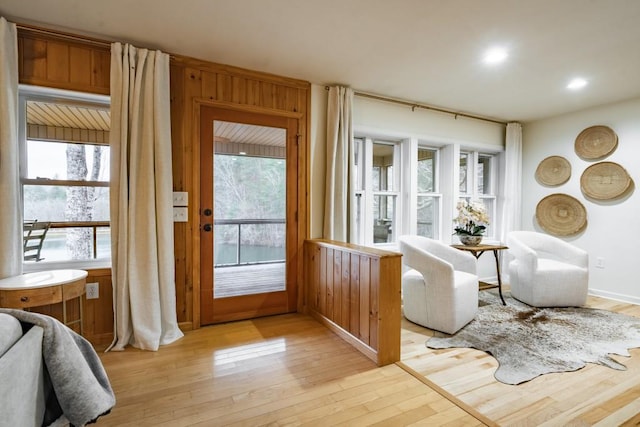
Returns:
point(34, 233)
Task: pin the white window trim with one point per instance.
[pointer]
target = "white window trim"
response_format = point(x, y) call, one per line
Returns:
point(41, 93)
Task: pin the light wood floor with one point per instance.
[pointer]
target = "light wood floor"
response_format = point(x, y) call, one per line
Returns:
point(595, 395)
point(290, 370)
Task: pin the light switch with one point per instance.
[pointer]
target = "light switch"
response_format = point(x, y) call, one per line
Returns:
point(180, 198)
point(180, 214)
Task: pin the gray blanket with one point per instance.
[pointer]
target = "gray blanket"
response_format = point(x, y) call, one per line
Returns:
point(80, 384)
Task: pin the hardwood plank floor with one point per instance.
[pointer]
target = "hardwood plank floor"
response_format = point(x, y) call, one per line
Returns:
point(280, 370)
point(594, 395)
point(290, 370)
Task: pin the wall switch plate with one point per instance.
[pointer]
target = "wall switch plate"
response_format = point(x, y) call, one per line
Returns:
point(180, 198)
point(180, 214)
point(93, 290)
point(599, 262)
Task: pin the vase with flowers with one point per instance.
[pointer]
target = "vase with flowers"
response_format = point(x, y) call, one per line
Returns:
point(472, 221)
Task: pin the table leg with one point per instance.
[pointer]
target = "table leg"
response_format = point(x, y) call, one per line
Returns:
point(495, 254)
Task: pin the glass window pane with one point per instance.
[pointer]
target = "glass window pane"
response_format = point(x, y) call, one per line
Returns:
point(375, 179)
point(262, 243)
point(427, 216)
point(484, 174)
point(426, 170)
point(57, 160)
point(383, 162)
point(464, 169)
point(76, 243)
point(64, 203)
point(384, 215)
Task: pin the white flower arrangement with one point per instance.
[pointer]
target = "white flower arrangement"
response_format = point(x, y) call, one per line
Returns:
point(472, 218)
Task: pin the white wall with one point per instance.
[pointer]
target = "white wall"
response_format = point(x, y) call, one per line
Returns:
point(612, 226)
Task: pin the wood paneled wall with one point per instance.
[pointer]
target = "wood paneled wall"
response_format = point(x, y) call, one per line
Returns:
point(64, 62)
point(355, 291)
point(195, 83)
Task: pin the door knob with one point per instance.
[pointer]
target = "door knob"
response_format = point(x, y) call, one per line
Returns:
point(207, 212)
point(207, 227)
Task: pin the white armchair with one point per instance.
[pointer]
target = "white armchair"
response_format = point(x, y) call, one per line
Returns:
point(547, 271)
point(440, 291)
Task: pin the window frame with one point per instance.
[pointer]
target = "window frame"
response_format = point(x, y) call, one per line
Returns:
point(362, 214)
point(435, 194)
point(28, 93)
point(490, 199)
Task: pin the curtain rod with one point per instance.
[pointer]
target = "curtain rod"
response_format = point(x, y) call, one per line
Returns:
point(415, 105)
point(75, 37)
point(62, 34)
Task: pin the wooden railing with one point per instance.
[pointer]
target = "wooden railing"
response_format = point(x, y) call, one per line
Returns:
point(355, 291)
point(94, 225)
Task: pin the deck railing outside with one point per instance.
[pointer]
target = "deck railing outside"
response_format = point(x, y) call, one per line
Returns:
point(228, 254)
point(93, 225)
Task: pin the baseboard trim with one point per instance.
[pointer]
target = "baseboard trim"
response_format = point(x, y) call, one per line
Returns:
point(614, 296)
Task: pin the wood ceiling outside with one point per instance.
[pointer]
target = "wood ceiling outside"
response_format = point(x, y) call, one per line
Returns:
point(67, 116)
point(80, 117)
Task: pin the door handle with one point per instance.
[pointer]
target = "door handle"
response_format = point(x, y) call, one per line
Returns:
point(207, 212)
point(207, 227)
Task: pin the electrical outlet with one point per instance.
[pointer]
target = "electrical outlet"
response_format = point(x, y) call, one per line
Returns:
point(599, 262)
point(93, 290)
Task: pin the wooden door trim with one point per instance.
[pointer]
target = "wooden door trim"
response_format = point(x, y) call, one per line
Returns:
point(226, 105)
point(301, 192)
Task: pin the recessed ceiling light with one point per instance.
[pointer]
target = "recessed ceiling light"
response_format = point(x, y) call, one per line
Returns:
point(495, 55)
point(577, 83)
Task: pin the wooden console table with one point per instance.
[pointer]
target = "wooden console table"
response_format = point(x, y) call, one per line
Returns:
point(43, 288)
point(479, 250)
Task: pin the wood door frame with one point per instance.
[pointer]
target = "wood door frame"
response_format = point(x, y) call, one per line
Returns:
point(301, 205)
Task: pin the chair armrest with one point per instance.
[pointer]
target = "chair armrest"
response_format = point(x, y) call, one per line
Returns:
point(526, 256)
point(430, 266)
point(568, 253)
point(461, 260)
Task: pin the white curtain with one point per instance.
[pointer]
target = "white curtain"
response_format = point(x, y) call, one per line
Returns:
point(141, 200)
point(339, 159)
point(10, 213)
point(512, 203)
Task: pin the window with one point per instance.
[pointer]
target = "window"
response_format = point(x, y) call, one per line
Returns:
point(375, 214)
point(65, 171)
point(428, 199)
point(477, 178)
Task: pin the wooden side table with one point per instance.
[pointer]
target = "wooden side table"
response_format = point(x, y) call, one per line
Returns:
point(478, 250)
point(42, 288)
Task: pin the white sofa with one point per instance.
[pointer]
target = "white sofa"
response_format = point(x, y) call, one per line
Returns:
point(547, 271)
point(440, 291)
point(22, 390)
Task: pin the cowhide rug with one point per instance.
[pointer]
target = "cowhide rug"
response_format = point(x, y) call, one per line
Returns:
point(528, 341)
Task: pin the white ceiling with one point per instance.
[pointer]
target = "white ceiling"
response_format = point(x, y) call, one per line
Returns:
point(427, 51)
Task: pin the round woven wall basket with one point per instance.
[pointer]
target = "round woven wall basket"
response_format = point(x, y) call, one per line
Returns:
point(553, 170)
point(561, 215)
point(605, 181)
point(596, 142)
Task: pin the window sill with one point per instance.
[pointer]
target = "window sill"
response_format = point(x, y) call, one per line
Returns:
point(29, 267)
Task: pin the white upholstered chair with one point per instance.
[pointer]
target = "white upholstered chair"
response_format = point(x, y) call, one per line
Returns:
point(547, 271)
point(440, 291)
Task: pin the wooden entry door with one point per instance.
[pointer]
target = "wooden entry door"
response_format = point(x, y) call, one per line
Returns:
point(218, 305)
